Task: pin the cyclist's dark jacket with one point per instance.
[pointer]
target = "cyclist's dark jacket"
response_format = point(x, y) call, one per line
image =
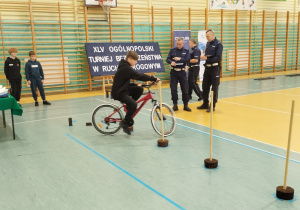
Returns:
point(122, 79)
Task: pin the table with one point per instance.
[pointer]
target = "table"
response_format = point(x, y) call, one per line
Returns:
point(10, 103)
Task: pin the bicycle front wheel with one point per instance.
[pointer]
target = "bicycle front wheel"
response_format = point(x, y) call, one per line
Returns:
point(167, 117)
point(106, 119)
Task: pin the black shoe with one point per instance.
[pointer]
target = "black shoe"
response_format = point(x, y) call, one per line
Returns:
point(175, 107)
point(46, 103)
point(186, 108)
point(125, 127)
point(190, 97)
point(208, 109)
point(36, 103)
point(203, 106)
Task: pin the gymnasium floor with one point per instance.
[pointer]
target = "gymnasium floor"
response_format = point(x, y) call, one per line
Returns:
point(53, 166)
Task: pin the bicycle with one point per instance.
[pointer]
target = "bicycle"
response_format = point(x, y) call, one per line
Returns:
point(106, 118)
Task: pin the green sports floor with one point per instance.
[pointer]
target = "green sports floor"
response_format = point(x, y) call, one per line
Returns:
point(52, 165)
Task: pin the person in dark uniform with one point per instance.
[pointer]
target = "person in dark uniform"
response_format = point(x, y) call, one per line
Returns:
point(194, 69)
point(12, 68)
point(211, 77)
point(179, 58)
point(35, 78)
point(128, 93)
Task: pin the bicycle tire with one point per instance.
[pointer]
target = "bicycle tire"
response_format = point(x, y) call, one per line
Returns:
point(169, 119)
point(99, 115)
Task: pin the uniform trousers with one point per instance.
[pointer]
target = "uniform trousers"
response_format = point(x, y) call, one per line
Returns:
point(175, 77)
point(192, 80)
point(211, 78)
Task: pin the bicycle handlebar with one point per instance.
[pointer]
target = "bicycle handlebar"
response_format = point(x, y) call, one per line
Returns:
point(148, 86)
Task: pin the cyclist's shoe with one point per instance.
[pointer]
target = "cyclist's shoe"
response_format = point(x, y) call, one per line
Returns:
point(125, 127)
point(175, 107)
point(187, 108)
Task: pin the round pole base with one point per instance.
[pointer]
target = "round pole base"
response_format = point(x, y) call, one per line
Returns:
point(287, 194)
point(131, 128)
point(162, 143)
point(211, 163)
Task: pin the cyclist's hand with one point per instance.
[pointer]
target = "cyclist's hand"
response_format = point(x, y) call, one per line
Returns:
point(157, 80)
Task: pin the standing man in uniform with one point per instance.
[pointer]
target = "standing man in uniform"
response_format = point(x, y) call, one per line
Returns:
point(178, 58)
point(211, 77)
point(194, 69)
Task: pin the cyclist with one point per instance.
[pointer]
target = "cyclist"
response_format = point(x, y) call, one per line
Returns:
point(128, 93)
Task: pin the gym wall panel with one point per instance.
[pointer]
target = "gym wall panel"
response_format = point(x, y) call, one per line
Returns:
point(60, 31)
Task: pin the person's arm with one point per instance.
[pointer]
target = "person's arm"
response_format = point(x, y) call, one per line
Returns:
point(41, 71)
point(133, 74)
point(6, 66)
point(196, 56)
point(27, 69)
point(218, 57)
point(19, 66)
point(186, 59)
point(169, 58)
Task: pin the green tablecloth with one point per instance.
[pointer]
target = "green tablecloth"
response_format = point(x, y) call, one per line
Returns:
point(11, 103)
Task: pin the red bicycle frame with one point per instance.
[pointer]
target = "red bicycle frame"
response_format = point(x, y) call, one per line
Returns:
point(143, 100)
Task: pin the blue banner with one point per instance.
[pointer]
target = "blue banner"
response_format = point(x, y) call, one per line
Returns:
point(104, 58)
point(186, 35)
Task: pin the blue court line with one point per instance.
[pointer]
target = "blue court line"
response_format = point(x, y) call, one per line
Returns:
point(129, 174)
point(238, 143)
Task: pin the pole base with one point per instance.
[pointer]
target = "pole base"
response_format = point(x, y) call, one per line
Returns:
point(162, 143)
point(211, 163)
point(70, 121)
point(287, 194)
point(131, 128)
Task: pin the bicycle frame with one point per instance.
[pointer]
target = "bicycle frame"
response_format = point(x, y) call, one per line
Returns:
point(143, 100)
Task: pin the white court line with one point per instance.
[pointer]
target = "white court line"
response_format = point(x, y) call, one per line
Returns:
point(261, 92)
point(182, 126)
point(176, 123)
point(287, 94)
point(256, 107)
point(52, 118)
point(229, 134)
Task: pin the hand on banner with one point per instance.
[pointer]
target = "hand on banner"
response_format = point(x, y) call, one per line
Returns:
point(173, 64)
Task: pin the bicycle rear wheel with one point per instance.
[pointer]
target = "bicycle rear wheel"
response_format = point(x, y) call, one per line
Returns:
point(168, 119)
point(106, 119)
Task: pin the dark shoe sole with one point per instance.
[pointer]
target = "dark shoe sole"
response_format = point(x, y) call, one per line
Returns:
point(202, 107)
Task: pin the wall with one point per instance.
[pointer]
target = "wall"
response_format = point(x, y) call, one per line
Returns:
point(60, 30)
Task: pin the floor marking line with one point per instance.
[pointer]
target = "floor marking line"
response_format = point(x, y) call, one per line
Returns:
point(223, 132)
point(126, 172)
point(257, 107)
point(235, 142)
